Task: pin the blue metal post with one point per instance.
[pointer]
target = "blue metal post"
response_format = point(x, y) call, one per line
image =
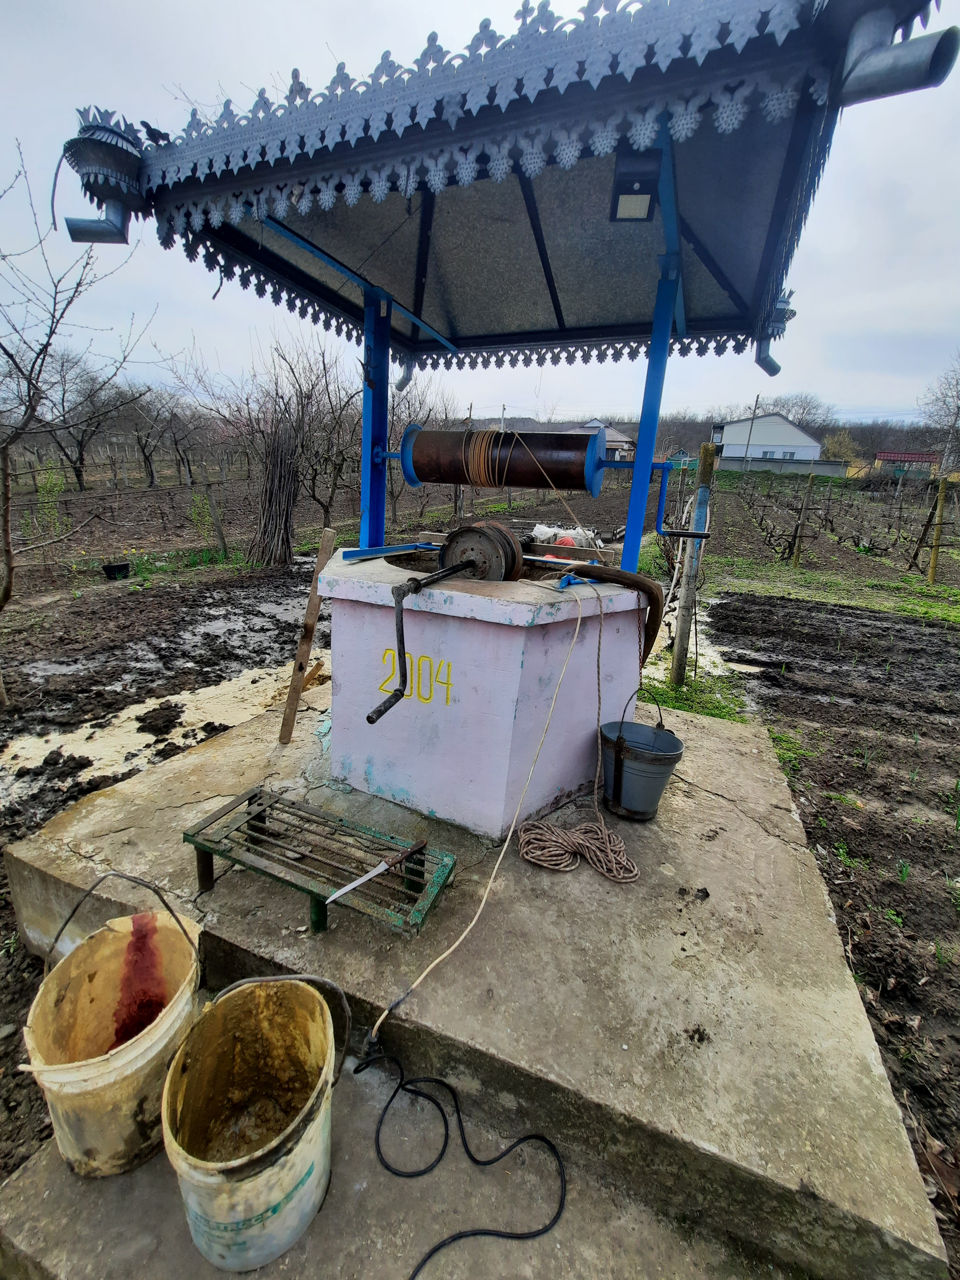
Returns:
point(668, 308)
point(375, 443)
point(663, 313)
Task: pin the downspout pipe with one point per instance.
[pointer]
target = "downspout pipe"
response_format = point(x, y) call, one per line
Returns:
point(112, 228)
point(876, 67)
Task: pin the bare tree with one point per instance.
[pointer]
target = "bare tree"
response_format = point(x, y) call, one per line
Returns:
point(39, 297)
point(421, 402)
point(804, 409)
point(83, 406)
point(272, 409)
point(184, 430)
point(147, 422)
point(940, 407)
point(331, 451)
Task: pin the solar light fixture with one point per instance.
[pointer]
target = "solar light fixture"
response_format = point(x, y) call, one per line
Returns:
point(635, 187)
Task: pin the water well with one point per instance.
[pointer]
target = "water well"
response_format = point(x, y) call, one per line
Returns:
point(484, 660)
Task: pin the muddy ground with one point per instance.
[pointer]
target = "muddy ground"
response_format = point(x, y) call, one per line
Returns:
point(73, 663)
point(864, 709)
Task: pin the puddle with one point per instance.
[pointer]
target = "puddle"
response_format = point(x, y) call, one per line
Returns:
point(37, 672)
point(120, 744)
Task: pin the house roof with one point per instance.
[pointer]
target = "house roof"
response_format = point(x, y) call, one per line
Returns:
point(474, 188)
point(768, 429)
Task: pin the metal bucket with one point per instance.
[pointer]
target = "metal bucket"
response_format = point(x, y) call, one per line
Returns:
point(101, 1031)
point(637, 763)
point(246, 1118)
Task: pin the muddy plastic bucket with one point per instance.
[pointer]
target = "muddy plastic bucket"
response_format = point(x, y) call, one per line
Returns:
point(101, 1032)
point(637, 764)
point(246, 1119)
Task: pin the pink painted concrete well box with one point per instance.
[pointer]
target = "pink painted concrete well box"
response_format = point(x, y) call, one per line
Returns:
point(484, 662)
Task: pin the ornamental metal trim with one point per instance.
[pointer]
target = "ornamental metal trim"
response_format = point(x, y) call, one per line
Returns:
point(611, 38)
point(233, 265)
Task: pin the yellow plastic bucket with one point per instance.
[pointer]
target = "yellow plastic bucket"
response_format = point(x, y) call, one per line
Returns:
point(101, 1032)
point(246, 1119)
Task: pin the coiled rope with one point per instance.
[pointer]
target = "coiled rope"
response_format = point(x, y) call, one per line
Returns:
point(560, 848)
point(482, 458)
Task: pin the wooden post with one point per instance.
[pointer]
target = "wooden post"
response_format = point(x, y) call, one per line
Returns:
point(798, 536)
point(923, 535)
point(328, 541)
point(691, 565)
point(937, 531)
point(215, 517)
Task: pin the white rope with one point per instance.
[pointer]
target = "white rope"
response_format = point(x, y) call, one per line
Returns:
point(493, 875)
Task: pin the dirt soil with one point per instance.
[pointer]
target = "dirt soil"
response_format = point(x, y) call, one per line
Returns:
point(72, 662)
point(864, 710)
point(24, 1123)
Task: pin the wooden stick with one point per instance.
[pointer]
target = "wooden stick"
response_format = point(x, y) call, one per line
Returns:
point(313, 676)
point(801, 521)
point(914, 559)
point(937, 533)
point(327, 544)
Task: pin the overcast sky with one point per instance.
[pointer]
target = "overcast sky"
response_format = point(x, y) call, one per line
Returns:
point(876, 278)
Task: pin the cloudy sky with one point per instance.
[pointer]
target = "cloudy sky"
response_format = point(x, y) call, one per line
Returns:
point(876, 278)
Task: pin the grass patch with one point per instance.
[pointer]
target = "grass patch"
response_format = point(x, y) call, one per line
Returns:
point(651, 561)
point(840, 797)
point(909, 594)
point(710, 695)
point(846, 859)
point(144, 566)
point(790, 751)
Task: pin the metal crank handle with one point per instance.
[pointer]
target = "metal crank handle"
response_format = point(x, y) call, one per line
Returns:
point(412, 587)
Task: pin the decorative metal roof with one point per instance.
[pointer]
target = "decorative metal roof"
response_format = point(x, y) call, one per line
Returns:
point(474, 187)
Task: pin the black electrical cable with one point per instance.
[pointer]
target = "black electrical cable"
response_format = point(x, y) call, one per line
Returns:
point(404, 1085)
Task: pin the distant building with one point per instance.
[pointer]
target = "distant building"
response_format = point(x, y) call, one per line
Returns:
point(681, 460)
point(620, 446)
point(772, 437)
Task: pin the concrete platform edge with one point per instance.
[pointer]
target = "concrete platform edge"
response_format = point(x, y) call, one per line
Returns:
point(671, 1175)
point(796, 1226)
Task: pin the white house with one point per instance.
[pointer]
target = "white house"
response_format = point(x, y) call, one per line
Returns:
point(772, 437)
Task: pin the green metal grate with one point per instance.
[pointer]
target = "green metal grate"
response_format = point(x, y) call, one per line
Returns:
point(316, 852)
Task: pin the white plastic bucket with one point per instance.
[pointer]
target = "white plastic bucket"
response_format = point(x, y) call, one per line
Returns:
point(246, 1120)
point(101, 1032)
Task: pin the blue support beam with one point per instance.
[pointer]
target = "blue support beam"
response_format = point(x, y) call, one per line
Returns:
point(669, 213)
point(663, 313)
point(354, 277)
point(668, 310)
point(375, 443)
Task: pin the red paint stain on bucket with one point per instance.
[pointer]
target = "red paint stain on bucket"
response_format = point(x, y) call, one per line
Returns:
point(143, 993)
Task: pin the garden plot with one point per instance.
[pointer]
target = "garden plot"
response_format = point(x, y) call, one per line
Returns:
point(864, 710)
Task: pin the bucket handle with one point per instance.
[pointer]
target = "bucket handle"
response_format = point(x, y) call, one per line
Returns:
point(620, 746)
point(325, 984)
point(121, 875)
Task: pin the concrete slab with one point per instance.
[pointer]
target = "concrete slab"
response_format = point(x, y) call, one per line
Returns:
point(696, 1036)
point(56, 1226)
